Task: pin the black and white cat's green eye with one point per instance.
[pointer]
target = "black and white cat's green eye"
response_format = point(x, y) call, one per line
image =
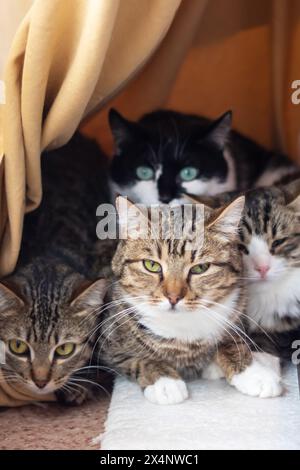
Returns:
point(18, 347)
point(145, 173)
point(188, 173)
point(65, 350)
point(199, 268)
point(152, 266)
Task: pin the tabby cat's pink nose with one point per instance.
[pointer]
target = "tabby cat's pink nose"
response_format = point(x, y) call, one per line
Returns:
point(174, 298)
point(263, 270)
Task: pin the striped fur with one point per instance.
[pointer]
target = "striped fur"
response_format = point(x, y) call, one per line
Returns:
point(139, 336)
point(54, 295)
point(270, 233)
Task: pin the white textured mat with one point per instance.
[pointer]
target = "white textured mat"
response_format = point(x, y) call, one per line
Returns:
point(216, 416)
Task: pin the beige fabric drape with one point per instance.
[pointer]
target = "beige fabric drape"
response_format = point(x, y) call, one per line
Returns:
point(67, 58)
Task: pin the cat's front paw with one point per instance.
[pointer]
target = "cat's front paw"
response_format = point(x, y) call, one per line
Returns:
point(166, 391)
point(258, 380)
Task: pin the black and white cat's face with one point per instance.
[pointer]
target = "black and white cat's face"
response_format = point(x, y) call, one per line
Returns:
point(167, 154)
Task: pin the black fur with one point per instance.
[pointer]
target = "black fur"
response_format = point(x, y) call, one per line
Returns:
point(174, 140)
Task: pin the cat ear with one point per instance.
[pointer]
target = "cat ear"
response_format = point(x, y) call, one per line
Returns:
point(89, 296)
point(220, 129)
point(9, 296)
point(133, 219)
point(292, 195)
point(123, 130)
point(226, 220)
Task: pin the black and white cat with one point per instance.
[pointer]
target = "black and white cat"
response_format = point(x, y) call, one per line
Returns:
point(167, 153)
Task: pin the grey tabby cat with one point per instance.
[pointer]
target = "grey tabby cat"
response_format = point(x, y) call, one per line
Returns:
point(270, 244)
point(48, 306)
point(176, 310)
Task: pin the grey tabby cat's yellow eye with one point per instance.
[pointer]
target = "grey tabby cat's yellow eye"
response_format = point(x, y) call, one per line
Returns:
point(199, 268)
point(145, 173)
point(152, 266)
point(18, 347)
point(65, 350)
point(189, 173)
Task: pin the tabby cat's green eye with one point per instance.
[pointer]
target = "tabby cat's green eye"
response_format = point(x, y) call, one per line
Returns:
point(18, 347)
point(152, 266)
point(199, 268)
point(189, 173)
point(145, 173)
point(65, 350)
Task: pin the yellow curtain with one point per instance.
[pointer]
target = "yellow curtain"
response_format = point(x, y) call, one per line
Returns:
point(67, 58)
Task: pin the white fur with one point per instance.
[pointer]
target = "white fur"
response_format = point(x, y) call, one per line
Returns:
point(143, 192)
point(213, 186)
point(186, 325)
point(213, 372)
point(261, 378)
point(270, 299)
point(166, 391)
point(276, 295)
point(146, 192)
point(259, 255)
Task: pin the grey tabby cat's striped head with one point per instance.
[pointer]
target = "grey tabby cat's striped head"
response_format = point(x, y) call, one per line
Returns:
point(170, 284)
point(47, 316)
point(270, 232)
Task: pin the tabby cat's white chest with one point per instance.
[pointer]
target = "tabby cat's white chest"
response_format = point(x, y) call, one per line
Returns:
point(273, 300)
point(202, 324)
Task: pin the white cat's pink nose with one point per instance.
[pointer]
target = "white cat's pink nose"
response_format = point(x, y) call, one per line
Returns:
point(263, 270)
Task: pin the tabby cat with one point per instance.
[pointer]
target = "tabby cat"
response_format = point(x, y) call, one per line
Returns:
point(167, 153)
point(49, 305)
point(270, 244)
point(176, 308)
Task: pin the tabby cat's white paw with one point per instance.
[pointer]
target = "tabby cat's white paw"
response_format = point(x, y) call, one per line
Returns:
point(258, 381)
point(166, 391)
point(212, 372)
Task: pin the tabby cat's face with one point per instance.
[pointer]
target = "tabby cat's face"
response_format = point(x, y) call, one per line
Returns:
point(166, 154)
point(168, 284)
point(270, 235)
point(46, 333)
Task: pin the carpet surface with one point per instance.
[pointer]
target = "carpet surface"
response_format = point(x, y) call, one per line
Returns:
point(52, 426)
point(216, 416)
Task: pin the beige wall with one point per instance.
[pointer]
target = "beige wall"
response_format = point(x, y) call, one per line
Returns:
point(231, 65)
point(11, 14)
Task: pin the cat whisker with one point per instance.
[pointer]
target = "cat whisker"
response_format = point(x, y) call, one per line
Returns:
point(240, 333)
point(220, 322)
point(123, 314)
point(119, 317)
point(104, 368)
point(240, 313)
point(94, 384)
